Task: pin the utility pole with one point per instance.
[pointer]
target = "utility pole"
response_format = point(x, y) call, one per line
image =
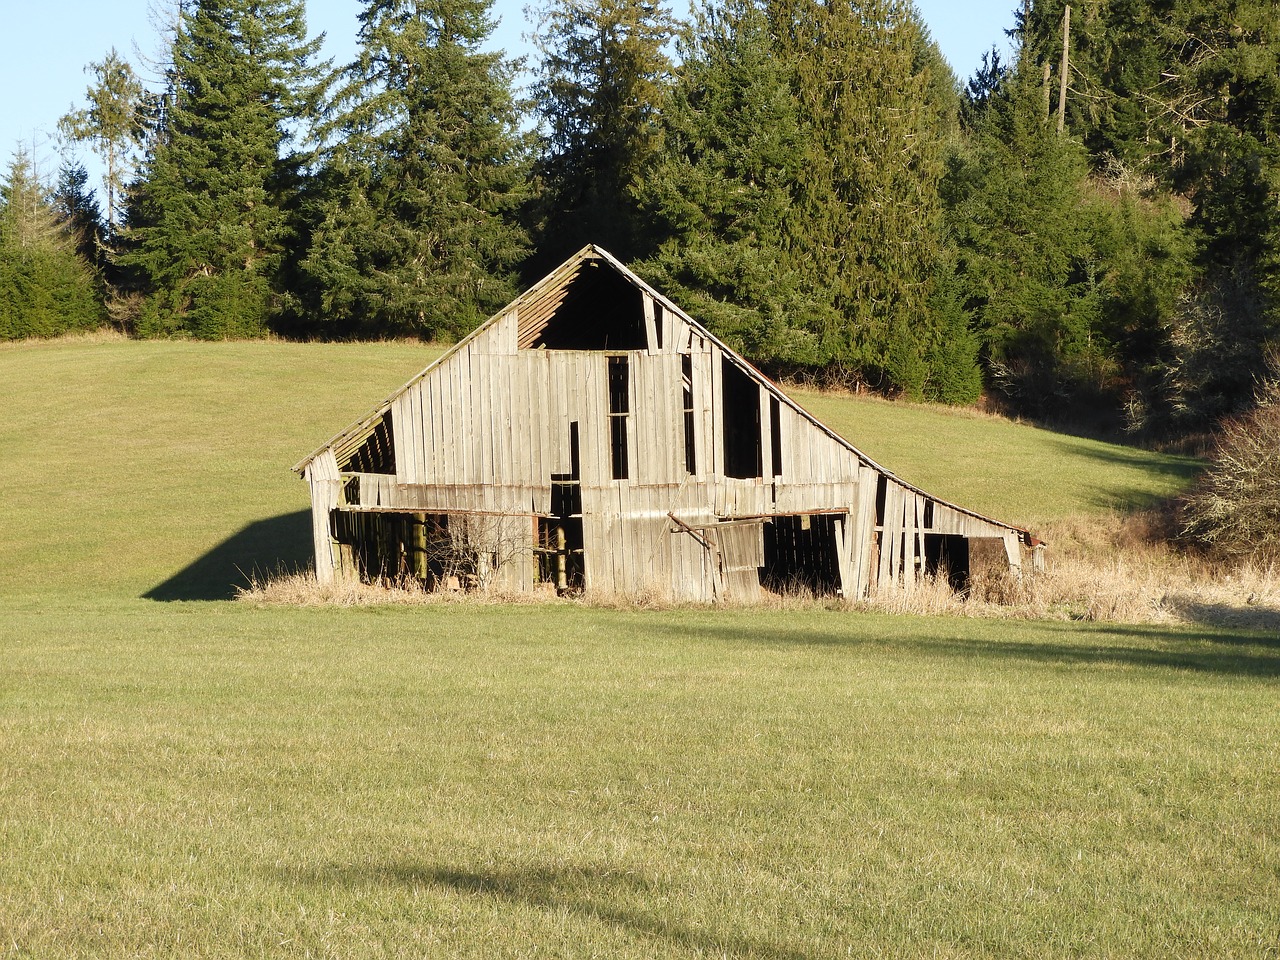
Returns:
point(1062, 80)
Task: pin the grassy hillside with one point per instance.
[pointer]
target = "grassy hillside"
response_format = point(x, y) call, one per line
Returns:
point(1007, 470)
point(140, 459)
point(142, 462)
point(216, 779)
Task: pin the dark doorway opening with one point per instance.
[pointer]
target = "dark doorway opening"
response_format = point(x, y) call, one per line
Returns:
point(949, 554)
point(559, 547)
point(801, 555)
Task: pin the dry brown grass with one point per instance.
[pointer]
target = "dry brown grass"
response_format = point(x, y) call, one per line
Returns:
point(100, 335)
point(300, 589)
point(1112, 569)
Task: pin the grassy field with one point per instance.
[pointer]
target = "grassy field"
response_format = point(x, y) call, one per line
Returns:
point(181, 775)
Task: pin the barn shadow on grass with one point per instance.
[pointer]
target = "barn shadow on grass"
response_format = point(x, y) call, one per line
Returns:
point(263, 548)
point(601, 894)
point(1208, 650)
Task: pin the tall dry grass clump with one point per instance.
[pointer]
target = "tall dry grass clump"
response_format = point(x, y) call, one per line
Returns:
point(301, 589)
point(1120, 569)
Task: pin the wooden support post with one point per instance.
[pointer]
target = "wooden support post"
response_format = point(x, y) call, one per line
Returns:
point(562, 560)
point(419, 540)
point(1013, 550)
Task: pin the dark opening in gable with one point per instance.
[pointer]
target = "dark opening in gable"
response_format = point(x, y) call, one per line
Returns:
point(594, 309)
point(377, 452)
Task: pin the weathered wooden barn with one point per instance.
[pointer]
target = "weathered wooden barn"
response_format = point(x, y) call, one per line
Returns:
point(592, 436)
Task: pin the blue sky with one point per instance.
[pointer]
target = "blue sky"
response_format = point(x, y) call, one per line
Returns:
point(47, 43)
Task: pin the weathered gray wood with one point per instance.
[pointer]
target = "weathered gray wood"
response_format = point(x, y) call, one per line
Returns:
point(485, 427)
point(322, 476)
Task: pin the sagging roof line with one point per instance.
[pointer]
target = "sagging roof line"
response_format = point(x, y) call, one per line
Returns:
point(560, 278)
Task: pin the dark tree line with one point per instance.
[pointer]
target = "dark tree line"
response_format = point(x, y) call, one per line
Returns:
point(807, 176)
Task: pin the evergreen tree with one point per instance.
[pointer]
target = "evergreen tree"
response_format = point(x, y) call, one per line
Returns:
point(1026, 262)
point(719, 201)
point(78, 212)
point(1120, 98)
point(870, 215)
point(207, 224)
point(45, 288)
point(1188, 92)
point(602, 78)
point(114, 123)
point(416, 232)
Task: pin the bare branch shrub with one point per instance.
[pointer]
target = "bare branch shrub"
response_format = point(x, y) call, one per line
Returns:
point(1234, 512)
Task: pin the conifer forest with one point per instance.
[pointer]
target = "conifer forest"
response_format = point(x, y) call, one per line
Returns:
point(1092, 227)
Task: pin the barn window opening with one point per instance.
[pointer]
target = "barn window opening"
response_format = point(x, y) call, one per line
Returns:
point(741, 406)
point(690, 450)
point(438, 551)
point(775, 434)
point(558, 549)
point(391, 547)
point(619, 411)
point(801, 555)
point(594, 308)
point(559, 553)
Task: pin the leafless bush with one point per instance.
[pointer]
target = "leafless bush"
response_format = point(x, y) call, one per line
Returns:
point(1234, 512)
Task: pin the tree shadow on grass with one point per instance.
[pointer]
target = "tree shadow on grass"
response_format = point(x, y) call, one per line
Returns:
point(1173, 471)
point(1256, 617)
point(601, 894)
point(1212, 651)
point(262, 548)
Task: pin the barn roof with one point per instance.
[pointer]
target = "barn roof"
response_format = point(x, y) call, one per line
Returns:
point(551, 314)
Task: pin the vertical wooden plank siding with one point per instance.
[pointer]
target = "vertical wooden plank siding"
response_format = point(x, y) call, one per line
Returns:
point(433, 408)
point(401, 422)
point(890, 538)
point(420, 427)
point(650, 325)
point(326, 489)
point(766, 434)
point(487, 427)
point(909, 535)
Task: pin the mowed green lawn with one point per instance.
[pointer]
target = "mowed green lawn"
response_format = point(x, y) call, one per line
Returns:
point(198, 777)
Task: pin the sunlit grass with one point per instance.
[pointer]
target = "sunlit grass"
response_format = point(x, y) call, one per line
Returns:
point(137, 458)
point(237, 779)
point(223, 780)
point(1012, 471)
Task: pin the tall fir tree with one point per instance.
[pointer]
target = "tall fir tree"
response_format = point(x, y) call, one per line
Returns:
point(601, 81)
point(45, 287)
point(719, 200)
point(77, 210)
point(417, 229)
point(1025, 258)
point(207, 225)
point(868, 191)
point(1187, 92)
